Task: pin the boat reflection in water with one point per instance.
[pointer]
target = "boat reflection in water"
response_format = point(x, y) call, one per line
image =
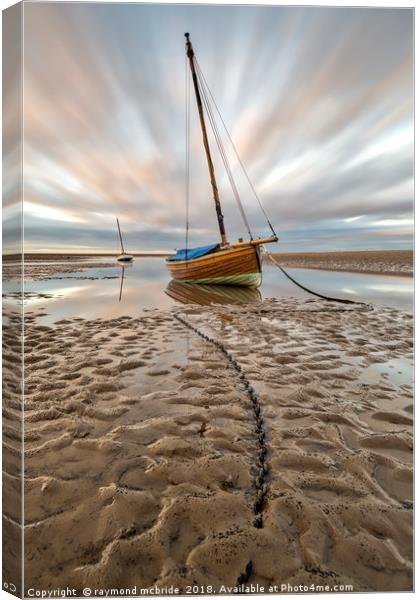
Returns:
point(124, 266)
point(193, 293)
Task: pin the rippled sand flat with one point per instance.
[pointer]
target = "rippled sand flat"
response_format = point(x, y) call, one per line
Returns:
point(141, 455)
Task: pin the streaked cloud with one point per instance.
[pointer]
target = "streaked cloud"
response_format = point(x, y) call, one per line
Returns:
point(50, 213)
point(318, 100)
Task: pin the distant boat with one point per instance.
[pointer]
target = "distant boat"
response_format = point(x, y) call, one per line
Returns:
point(123, 257)
point(224, 263)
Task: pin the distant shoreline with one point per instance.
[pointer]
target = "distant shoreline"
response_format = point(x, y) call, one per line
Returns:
point(69, 256)
point(384, 262)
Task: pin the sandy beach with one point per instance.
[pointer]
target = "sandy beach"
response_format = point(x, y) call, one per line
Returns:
point(149, 463)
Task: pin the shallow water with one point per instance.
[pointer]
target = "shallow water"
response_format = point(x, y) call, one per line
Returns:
point(397, 370)
point(107, 292)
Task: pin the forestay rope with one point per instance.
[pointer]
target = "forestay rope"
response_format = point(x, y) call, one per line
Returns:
point(208, 102)
point(217, 136)
point(201, 74)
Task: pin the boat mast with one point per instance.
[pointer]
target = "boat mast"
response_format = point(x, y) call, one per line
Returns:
point(119, 231)
point(190, 54)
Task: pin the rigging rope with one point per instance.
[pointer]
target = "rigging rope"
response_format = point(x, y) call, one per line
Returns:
point(234, 147)
point(208, 99)
point(219, 142)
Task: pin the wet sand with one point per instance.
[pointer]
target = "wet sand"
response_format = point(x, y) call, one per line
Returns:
point(58, 268)
point(385, 262)
point(142, 456)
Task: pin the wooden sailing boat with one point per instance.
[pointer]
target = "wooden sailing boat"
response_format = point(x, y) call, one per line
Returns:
point(224, 263)
point(123, 257)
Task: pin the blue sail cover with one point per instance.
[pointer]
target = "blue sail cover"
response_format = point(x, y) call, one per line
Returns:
point(190, 253)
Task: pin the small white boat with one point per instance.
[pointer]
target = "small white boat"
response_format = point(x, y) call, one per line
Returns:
point(123, 257)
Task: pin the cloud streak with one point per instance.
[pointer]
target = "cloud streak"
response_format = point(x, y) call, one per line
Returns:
point(319, 102)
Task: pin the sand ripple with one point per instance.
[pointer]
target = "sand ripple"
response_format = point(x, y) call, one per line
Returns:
point(141, 456)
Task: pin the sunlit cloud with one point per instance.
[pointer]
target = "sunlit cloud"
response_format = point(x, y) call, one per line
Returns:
point(394, 222)
point(352, 219)
point(42, 211)
point(391, 143)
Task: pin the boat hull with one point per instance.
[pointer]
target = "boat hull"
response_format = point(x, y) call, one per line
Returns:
point(125, 258)
point(238, 266)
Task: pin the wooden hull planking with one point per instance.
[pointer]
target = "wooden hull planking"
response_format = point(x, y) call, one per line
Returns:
point(240, 265)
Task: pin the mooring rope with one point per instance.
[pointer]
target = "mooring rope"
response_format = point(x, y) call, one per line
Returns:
point(261, 479)
point(329, 298)
point(261, 482)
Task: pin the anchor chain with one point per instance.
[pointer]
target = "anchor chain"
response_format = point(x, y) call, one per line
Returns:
point(263, 469)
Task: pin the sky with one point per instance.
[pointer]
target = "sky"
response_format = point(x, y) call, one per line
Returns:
point(319, 103)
